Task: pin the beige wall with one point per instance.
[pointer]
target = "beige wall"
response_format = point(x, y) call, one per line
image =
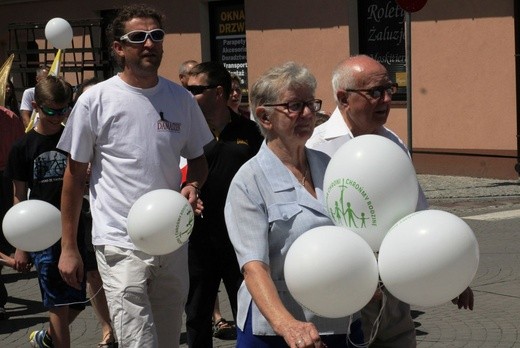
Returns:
point(319, 40)
point(464, 86)
point(463, 61)
point(464, 78)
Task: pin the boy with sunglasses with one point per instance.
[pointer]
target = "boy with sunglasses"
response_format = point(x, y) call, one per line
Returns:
point(36, 164)
point(133, 128)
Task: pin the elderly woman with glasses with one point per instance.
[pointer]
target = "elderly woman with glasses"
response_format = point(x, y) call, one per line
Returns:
point(274, 198)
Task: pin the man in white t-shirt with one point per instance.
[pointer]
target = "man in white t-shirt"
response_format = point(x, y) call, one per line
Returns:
point(363, 93)
point(26, 108)
point(133, 128)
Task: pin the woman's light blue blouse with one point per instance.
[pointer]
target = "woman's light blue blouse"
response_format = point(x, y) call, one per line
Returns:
point(267, 209)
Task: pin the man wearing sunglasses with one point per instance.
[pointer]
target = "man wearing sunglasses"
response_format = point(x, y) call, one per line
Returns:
point(133, 128)
point(363, 93)
point(211, 254)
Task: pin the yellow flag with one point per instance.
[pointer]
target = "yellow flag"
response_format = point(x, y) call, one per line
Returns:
point(4, 75)
point(53, 71)
point(56, 64)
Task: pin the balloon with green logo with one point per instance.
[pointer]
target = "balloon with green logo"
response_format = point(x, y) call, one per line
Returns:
point(160, 221)
point(369, 185)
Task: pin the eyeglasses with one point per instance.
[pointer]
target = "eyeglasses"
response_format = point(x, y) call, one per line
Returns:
point(55, 112)
point(377, 92)
point(198, 89)
point(140, 36)
point(297, 107)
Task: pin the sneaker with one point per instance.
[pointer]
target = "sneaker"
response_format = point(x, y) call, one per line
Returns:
point(3, 313)
point(40, 339)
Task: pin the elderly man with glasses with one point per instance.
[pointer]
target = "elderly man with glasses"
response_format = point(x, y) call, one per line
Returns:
point(363, 93)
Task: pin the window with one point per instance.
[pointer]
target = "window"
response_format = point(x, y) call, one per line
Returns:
point(382, 36)
point(228, 38)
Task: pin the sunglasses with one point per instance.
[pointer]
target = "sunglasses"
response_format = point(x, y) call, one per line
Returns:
point(198, 89)
point(140, 36)
point(55, 112)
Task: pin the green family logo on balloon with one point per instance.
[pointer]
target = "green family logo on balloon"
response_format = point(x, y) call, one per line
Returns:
point(370, 184)
point(184, 224)
point(160, 221)
point(342, 210)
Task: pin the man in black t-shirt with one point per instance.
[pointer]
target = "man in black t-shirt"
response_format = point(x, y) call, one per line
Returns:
point(211, 256)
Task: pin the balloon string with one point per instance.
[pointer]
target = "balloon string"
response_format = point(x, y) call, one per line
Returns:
point(80, 302)
point(375, 326)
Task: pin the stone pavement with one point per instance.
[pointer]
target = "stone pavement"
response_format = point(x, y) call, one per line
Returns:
point(492, 209)
point(495, 322)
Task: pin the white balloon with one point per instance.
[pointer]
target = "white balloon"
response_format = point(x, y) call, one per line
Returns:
point(160, 221)
point(331, 271)
point(370, 184)
point(428, 258)
point(32, 225)
point(59, 33)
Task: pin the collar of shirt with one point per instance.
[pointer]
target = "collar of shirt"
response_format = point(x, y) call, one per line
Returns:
point(280, 179)
point(274, 170)
point(334, 127)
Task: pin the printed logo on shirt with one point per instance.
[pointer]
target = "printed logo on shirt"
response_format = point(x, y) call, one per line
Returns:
point(167, 126)
point(49, 166)
point(242, 142)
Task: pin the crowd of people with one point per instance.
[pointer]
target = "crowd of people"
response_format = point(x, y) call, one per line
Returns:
point(253, 176)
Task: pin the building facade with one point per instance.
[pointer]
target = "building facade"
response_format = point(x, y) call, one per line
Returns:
point(462, 116)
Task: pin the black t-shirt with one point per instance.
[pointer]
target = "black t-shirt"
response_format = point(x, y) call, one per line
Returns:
point(35, 159)
point(237, 143)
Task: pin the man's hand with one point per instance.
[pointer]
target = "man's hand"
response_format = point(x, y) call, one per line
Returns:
point(71, 268)
point(191, 193)
point(465, 299)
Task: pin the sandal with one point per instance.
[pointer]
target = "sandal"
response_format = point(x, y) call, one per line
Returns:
point(223, 330)
point(108, 342)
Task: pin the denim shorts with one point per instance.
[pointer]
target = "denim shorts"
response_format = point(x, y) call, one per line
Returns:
point(54, 290)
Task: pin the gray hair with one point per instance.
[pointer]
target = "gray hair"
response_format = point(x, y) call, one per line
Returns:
point(343, 77)
point(271, 84)
point(186, 66)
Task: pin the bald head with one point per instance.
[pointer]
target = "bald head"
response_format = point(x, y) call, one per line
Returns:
point(356, 72)
point(363, 92)
point(184, 70)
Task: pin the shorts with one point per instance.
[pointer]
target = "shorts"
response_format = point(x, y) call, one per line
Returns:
point(146, 294)
point(54, 290)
